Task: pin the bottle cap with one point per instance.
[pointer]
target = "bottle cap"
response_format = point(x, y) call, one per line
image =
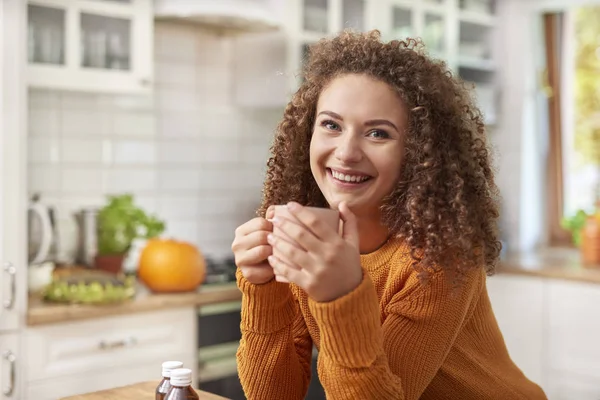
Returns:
point(169, 366)
point(181, 377)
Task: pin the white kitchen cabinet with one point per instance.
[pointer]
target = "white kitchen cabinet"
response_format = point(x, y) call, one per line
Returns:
point(267, 66)
point(13, 262)
point(574, 329)
point(70, 358)
point(58, 388)
point(551, 328)
point(518, 304)
point(90, 45)
point(563, 386)
point(10, 362)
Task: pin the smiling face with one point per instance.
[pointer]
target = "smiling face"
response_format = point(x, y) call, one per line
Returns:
point(357, 145)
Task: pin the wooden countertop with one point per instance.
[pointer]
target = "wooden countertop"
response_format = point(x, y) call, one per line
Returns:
point(144, 390)
point(40, 313)
point(555, 263)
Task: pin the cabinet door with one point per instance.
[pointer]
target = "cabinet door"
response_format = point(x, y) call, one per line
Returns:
point(10, 378)
point(574, 329)
point(12, 167)
point(90, 45)
point(124, 373)
point(518, 304)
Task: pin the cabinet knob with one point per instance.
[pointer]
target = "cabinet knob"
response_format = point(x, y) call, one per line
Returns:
point(12, 273)
point(12, 359)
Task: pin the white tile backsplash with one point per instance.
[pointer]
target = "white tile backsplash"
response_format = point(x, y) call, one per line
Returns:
point(44, 179)
point(179, 152)
point(120, 180)
point(173, 99)
point(181, 180)
point(179, 207)
point(128, 152)
point(78, 180)
point(82, 150)
point(43, 150)
point(44, 121)
point(174, 124)
point(85, 122)
point(130, 123)
point(186, 152)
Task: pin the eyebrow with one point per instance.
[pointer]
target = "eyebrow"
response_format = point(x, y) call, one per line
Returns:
point(372, 122)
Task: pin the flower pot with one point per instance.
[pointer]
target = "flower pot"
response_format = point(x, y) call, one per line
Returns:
point(590, 242)
point(110, 263)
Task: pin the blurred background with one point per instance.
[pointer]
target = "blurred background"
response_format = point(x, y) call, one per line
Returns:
point(135, 135)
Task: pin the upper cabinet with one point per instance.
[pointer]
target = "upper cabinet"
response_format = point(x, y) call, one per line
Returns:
point(90, 45)
point(460, 32)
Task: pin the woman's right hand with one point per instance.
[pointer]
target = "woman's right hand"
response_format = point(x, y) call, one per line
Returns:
point(251, 249)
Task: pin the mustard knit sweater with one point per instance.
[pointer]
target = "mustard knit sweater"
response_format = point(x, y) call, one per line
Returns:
point(391, 338)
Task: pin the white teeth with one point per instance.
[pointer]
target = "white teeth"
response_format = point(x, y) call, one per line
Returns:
point(348, 178)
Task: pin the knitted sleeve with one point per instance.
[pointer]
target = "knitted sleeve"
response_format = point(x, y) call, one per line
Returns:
point(274, 355)
point(369, 357)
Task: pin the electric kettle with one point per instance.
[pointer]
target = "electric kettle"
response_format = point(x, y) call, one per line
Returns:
point(42, 237)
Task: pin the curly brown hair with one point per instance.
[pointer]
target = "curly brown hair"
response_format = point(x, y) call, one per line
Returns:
point(445, 203)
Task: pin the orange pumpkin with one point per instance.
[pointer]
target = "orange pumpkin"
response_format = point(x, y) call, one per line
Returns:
point(168, 265)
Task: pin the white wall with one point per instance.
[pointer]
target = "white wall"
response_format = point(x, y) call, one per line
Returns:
point(187, 153)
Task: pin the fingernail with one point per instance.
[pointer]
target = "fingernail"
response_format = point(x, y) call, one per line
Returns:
point(276, 220)
point(270, 238)
point(271, 259)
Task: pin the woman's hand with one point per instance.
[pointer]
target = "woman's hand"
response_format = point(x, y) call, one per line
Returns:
point(327, 266)
point(251, 249)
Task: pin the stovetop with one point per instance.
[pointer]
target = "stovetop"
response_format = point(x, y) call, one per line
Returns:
point(220, 270)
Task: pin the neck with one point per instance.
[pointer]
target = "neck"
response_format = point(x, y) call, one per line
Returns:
point(372, 234)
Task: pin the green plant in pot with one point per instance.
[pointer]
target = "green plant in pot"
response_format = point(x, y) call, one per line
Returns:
point(119, 222)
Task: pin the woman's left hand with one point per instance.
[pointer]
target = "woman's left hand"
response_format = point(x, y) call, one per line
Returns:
point(327, 266)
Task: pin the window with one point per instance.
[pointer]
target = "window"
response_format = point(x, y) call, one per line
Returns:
point(572, 79)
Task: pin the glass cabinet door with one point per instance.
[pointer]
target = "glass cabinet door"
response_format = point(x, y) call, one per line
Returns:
point(434, 30)
point(46, 35)
point(316, 16)
point(402, 26)
point(105, 42)
point(353, 14)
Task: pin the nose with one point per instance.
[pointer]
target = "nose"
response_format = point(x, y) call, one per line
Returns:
point(348, 149)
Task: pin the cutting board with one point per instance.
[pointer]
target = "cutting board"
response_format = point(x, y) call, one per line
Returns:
point(138, 391)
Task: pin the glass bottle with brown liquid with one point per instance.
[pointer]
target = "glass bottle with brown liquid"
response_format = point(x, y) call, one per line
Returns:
point(165, 384)
point(181, 385)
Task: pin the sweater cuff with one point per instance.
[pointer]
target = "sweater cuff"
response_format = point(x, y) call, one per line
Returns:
point(266, 308)
point(350, 327)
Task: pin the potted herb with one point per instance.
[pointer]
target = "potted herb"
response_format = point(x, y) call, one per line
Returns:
point(120, 221)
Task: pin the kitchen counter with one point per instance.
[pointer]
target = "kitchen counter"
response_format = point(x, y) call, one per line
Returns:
point(144, 390)
point(40, 312)
point(555, 263)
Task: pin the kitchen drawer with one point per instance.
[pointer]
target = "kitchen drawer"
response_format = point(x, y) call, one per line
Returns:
point(57, 388)
point(91, 346)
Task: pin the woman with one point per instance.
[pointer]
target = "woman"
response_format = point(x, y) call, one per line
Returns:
point(397, 303)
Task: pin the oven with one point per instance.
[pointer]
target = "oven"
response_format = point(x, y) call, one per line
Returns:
point(218, 339)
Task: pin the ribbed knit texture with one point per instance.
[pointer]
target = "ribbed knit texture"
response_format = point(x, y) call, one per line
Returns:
point(391, 338)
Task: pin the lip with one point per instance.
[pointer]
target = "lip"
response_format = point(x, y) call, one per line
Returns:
point(347, 185)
